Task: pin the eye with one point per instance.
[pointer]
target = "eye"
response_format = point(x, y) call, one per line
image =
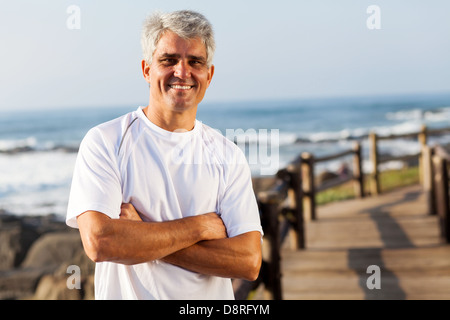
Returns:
point(168, 61)
point(196, 63)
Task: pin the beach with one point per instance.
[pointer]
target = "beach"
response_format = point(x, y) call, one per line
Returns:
point(37, 157)
point(38, 150)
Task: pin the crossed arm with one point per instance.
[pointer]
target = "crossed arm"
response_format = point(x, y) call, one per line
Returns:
point(198, 243)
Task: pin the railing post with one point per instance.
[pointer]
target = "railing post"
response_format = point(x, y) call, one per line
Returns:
point(295, 194)
point(269, 205)
point(422, 137)
point(442, 196)
point(428, 185)
point(374, 181)
point(357, 171)
point(309, 194)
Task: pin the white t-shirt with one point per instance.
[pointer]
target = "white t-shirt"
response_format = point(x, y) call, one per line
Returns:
point(166, 176)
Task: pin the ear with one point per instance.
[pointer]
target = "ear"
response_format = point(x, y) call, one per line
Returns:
point(210, 74)
point(146, 71)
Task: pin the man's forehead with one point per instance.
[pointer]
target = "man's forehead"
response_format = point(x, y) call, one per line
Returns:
point(172, 44)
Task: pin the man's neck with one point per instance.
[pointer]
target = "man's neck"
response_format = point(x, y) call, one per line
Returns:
point(171, 121)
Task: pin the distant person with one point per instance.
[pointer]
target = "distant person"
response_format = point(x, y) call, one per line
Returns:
point(164, 203)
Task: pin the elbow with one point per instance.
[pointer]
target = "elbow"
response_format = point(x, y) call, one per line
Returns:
point(253, 257)
point(94, 238)
point(94, 250)
point(253, 267)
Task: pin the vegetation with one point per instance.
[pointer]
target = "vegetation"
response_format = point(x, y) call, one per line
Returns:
point(389, 180)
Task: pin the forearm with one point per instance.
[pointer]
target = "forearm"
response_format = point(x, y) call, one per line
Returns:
point(133, 242)
point(238, 257)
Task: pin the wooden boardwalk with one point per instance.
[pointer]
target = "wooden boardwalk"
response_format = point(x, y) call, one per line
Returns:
point(392, 231)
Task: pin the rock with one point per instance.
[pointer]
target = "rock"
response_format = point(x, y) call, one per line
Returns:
point(86, 265)
point(51, 287)
point(61, 250)
point(55, 287)
point(35, 252)
point(15, 240)
point(18, 233)
point(44, 224)
point(53, 249)
point(19, 283)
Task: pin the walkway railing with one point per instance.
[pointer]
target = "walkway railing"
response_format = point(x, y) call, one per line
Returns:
point(436, 186)
point(281, 212)
point(375, 160)
point(308, 162)
point(285, 207)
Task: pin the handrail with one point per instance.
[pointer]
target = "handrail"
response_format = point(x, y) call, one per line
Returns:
point(309, 188)
point(437, 161)
point(422, 137)
point(335, 156)
point(375, 157)
point(292, 199)
point(438, 131)
point(398, 158)
point(441, 152)
point(280, 207)
point(399, 136)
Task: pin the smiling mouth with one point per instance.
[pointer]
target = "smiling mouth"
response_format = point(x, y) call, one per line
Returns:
point(178, 87)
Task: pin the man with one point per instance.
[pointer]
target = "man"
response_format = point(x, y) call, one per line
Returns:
point(164, 204)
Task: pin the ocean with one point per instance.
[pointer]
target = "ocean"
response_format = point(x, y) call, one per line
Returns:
point(38, 148)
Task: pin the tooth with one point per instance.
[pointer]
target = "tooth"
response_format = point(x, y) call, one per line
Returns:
point(180, 87)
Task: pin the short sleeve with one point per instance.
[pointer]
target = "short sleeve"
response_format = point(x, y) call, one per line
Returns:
point(238, 206)
point(96, 182)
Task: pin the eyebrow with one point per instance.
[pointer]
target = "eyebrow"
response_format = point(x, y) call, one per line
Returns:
point(178, 56)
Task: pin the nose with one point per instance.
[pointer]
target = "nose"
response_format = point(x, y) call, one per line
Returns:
point(182, 70)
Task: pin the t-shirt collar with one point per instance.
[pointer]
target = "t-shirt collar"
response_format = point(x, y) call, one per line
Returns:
point(169, 134)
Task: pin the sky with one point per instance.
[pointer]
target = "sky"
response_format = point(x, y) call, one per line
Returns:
point(266, 50)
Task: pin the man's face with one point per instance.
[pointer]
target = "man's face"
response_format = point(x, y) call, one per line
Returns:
point(178, 75)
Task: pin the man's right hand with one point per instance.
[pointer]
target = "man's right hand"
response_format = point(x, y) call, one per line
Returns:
point(129, 212)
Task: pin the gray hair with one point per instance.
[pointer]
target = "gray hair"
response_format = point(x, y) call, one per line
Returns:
point(186, 24)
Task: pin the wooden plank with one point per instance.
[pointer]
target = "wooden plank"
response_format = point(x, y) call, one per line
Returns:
point(392, 230)
point(404, 158)
point(334, 156)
